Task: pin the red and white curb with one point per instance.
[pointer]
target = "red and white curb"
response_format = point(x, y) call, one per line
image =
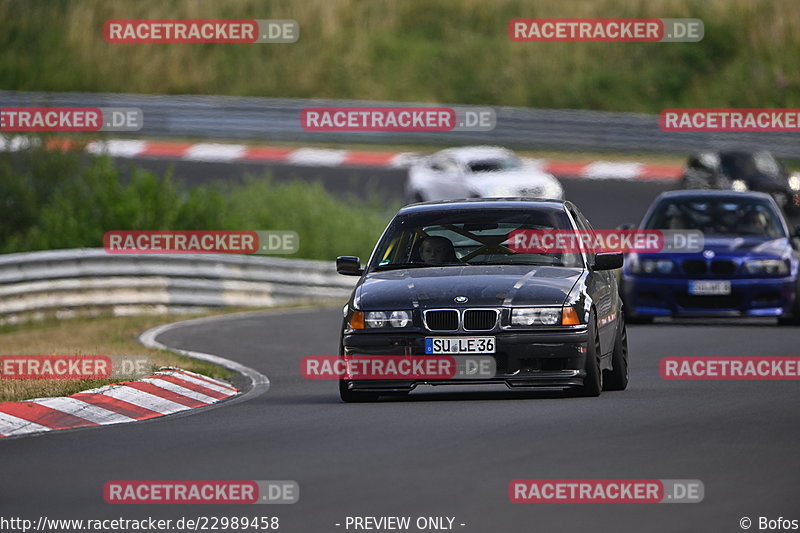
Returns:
point(612, 170)
point(167, 391)
point(225, 153)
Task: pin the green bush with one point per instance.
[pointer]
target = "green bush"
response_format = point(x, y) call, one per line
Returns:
point(54, 201)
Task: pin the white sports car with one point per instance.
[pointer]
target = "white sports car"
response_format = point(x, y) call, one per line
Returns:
point(478, 172)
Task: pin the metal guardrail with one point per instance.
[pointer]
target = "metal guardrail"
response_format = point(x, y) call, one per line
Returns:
point(83, 281)
point(278, 119)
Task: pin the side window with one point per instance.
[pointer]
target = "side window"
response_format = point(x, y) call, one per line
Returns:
point(580, 220)
point(582, 225)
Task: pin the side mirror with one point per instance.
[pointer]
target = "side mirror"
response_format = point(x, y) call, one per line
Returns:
point(349, 265)
point(607, 261)
point(627, 226)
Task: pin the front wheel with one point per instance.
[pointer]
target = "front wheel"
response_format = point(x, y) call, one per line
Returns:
point(593, 382)
point(640, 319)
point(617, 377)
point(794, 319)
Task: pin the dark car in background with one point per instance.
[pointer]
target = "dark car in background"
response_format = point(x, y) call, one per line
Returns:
point(748, 265)
point(443, 270)
point(743, 170)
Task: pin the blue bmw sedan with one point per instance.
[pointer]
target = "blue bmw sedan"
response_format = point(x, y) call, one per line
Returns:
point(748, 265)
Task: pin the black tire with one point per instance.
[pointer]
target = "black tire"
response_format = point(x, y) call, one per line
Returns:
point(617, 378)
point(640, 319)
point(593, 382)
point(794, 319)
point(350, 396)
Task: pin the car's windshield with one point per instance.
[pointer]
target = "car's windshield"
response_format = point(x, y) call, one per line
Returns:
point(742, 165)
point(718, 216)
point(494, 164)
point(468, 237)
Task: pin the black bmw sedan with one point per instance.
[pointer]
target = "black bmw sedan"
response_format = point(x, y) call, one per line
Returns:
point(444, 280)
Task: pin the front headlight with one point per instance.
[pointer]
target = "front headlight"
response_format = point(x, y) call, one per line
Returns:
point(772, 267)
point(544, 316)
point(794, 181)
point(661, 266)
point(649, 266)
point(739, 185)
point(632, 262)
point(384, 319)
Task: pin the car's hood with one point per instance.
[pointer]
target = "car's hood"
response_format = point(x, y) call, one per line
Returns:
point(746, 245)
point(528, 182)
point(738, 247)
point(490, 285)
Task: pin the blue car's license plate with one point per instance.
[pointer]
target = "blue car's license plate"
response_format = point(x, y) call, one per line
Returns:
point(710, 287)
point(456, 345)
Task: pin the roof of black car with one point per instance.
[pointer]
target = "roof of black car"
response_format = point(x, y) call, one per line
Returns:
point(484, 203)
point(714, 193)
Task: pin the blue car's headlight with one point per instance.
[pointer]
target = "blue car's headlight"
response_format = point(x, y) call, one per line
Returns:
point(770, 267)
point(387, 319)
point(652, 266)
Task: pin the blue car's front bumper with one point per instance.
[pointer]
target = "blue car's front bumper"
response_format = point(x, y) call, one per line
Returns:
point(664, 296)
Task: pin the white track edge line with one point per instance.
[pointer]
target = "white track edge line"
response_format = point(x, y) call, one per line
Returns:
point(259, 383)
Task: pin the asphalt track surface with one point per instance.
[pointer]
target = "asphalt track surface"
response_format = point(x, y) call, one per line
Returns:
point(445, 452)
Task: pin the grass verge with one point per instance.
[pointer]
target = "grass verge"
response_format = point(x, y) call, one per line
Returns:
point(113, 336)
point(451, 51)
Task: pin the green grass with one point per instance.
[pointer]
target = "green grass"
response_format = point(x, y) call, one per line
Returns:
point(451, 51)
point(111, 336)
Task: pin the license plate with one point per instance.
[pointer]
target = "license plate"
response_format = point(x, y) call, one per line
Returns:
point(455, 345)
point(701, 288)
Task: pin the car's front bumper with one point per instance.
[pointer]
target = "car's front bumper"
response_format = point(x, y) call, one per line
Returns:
point(754, 297)
point(524, 359)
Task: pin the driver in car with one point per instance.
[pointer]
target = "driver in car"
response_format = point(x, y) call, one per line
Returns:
point(437, 251)
point(753, 223)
